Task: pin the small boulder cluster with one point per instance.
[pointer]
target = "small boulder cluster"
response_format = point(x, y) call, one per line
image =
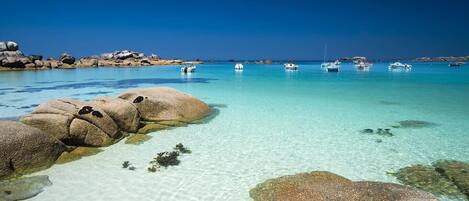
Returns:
point(55, 127)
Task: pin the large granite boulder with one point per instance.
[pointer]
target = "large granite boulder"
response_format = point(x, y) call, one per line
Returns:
point(161, 103)
point(88, 62)
point(123, 112)
point(13, 62)
point(325, 186)
point(74, 122)
point(24, 148)
point(67, 59)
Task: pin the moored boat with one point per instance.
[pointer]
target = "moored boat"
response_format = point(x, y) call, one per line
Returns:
point(363, 66)
point(456, 64)
point(290, 66)
point(239, 67)
point(188, 69)
point(400, 66)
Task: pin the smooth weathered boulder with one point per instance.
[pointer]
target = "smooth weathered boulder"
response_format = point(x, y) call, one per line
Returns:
point(24, 148)
point(74, 122)
point(325, 186)
point(123, 112)
point(12, 46)
point(162, 103)
point(23, 188)
point(67, 59)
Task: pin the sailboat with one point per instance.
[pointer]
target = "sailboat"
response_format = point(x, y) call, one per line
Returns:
point(330, 66)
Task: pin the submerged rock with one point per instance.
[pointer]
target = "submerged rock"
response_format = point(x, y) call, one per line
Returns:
point(428, 179)
point(415, 124)
point(74, 123)
point(23, 188)
point(137, 139)
point(325, 186)
point(151, 127)
point(166, 104)
point(77, 154)
point(455, 171)
point(24, 148)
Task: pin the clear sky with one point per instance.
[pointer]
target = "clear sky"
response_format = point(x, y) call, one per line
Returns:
point(242, 29)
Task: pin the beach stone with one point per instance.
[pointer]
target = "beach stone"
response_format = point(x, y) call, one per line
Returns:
point(23, 188)
point(455, 171)
point(428, 179)
point(88, 62)
point(65, 119)
point(166, 104)
point(137, 139)
point(12, 46)
point(3, 46)
point(325, 186)
point(67, 59)
point(77, 154)
point(39, 63)
point(34, 58)
point(415, 124)
point(24, 148)
point(123, 112)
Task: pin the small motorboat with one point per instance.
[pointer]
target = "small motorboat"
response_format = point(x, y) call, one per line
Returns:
point(290, 66)
point(188, 69)
point(400, 66)
point(456, 64)
point(239, 67)
point(363, 66)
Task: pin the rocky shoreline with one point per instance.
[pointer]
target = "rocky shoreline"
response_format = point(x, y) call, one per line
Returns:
point(11, 58)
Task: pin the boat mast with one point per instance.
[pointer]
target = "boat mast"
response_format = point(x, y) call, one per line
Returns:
point(325, 53)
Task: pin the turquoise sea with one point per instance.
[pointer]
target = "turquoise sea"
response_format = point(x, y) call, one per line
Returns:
point(269, 123)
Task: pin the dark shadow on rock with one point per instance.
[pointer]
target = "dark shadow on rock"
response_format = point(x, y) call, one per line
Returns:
point(119, 84)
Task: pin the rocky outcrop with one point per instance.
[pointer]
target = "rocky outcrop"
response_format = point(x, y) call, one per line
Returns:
point(325, 186)
point(23, 188)
point(123, 112)
point(67, 59)
point(166, 104)
point(23, 148)
point(74, 122)
point(11, 58)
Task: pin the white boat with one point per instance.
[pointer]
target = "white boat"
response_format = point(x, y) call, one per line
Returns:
point(456, 64)
point(239, 67)
point(363, 66)
point(188, 69)
point(290, 66)
point(333, 67)
point(400, 66)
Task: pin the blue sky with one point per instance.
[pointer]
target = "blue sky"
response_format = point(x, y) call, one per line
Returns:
point(243, 29)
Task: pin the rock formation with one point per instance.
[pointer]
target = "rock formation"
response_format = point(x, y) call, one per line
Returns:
point(325, 186)
point(24, 147)
point(166, 104)
point(74, 123)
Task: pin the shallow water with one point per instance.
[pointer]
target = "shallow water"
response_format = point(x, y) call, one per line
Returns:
point(271, 123)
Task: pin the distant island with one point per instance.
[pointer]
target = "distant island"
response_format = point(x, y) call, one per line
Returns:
point(443, 59)
point(11, 58)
